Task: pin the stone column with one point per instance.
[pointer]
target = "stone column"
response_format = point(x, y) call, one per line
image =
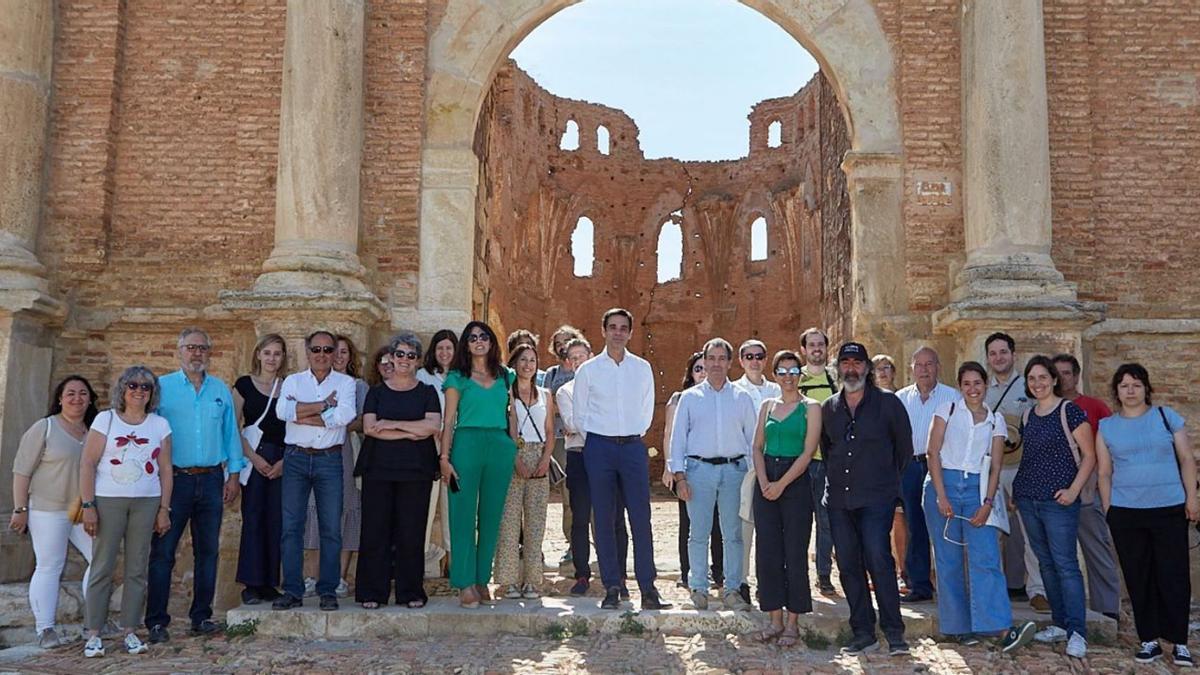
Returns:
point(1006, 155)
point(1008, 281)
point(314, 266)
point(26, 305)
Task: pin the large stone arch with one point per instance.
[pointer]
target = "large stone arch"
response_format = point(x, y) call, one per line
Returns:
point(471, 39)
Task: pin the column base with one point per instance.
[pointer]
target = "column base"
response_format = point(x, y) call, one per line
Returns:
point(1040, 324)
point(1016, 280)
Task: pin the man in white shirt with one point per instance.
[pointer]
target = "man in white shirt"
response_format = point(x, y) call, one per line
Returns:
point(920, 399)
point(753, 357)
point(316, 405)
point(577, 351)
point(711, 441)
point(614, 405)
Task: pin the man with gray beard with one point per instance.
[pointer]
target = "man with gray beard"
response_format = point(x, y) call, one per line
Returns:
point(867, 440)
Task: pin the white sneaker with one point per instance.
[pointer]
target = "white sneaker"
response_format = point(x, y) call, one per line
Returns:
point(1050, 634)
point(512, 592)
point(343, 589)
point(1077, 646)
point(49, 638)
point(133, 645)
point(93, 648)
point(310, 587)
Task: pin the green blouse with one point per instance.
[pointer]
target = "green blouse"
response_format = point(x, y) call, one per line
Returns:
point(785, 437)
point(478, 407)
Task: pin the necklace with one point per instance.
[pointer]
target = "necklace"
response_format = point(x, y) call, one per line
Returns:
point(76, 427)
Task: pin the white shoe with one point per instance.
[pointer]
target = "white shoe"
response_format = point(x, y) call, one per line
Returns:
point(1050, 634)
point(530, 593)
point(1077, 646)
point(133, 645)
point(310, 587)
point(93, 648)
point(343, 589)
point(49, 639)
point(512, 592)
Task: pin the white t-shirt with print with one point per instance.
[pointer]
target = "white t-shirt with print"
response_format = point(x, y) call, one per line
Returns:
point(129, 466)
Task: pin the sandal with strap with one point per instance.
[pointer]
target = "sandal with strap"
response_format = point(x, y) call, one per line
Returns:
point(370, 605)
point(416, 604)
point(788, 638)
point(468, 598)
point(768, 634)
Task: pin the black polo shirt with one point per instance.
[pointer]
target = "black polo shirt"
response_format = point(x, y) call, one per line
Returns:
point(865, 452)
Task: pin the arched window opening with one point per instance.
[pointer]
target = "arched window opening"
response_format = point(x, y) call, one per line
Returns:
point(570, 137)
point(583, 246)
point(602, 141)
point(775, 134)
point(670, 252)
point(758, 239)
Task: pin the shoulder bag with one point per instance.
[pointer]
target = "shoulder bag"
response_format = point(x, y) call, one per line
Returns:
point(253, 433)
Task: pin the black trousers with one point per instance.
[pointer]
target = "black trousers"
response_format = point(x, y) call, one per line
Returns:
point(862, 541)
point(1152, 545)
point(783, 528)
point(392, 547)
point(715, 543)
point(262, 526)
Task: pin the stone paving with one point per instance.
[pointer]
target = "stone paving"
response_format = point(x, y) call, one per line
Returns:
point(469, 647)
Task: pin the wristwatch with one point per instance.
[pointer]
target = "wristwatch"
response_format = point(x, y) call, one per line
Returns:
point(88, 505)
point(987, 500)
point(21, 509)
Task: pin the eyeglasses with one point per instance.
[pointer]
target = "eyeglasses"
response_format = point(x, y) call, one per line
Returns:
point(757, 356)
point(203, 349)
point(697, 368)
point(144, 386)
point(793, 371)
point(401, 354)
point(850, 429)
point(946, 529)
point(479, 337)
point(321, 350)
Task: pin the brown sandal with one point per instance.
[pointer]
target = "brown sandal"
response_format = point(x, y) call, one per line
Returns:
point(768, 634)
point(468, 598)
point(788, 638)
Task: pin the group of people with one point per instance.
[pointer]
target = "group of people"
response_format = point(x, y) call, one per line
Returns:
point(449, 438)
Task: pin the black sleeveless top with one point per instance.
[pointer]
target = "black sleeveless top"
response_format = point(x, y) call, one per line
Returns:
point(254, 402)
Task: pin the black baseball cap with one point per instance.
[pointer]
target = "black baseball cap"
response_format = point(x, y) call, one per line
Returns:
point(853, 350)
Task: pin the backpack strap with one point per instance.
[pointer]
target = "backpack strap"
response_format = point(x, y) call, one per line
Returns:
point(1170, 432)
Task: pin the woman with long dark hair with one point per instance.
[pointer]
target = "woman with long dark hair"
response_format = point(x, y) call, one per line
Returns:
point(477, 454)
point(693, 376)
point(1148, 491)
point(46, 492)
point(433, 372)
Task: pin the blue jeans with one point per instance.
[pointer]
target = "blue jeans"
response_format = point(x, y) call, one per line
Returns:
point(862, 539)
point(196, 500)
point(321, 475)
point(916, 556)
point(1051, 529)
point(719, 485)
point(817, 472)
point(618, 469)
point(972, 597)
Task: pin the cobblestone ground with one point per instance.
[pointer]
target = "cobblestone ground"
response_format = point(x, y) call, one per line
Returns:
point(558, 654)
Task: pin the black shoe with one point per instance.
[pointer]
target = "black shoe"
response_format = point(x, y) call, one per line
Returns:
point(913, 596)
point(612, 598)
point(652, 600)
point(825, 585)
point(329, 603)
point(682, 583)
point(1149, 652)
point(1182, 657)
point(580, 587)
point(250, 596)
point(744, 591)
point(897, 648)
point(624, 593)
point(205, 627)
point(861, 645)
point(158, 633)
point(287, 601)
point(268, 593)
point(1018, 594)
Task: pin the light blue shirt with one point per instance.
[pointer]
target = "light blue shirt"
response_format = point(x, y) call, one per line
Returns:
point(1145, 474)
point(920, 413)
point(712, 423)
point(204, 430)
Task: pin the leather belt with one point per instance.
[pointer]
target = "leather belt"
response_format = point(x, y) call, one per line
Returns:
point(315, 451)
point(717, 461)
point(924, 459)
point(196, 470)
point(619, 440)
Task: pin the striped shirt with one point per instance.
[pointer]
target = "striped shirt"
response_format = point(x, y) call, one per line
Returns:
point(920, 413)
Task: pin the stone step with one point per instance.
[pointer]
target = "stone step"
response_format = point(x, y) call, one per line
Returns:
point(443, 617)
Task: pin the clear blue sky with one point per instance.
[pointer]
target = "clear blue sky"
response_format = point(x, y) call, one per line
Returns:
point(687, 71)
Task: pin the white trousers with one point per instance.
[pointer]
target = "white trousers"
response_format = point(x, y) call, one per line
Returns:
point(51, 530)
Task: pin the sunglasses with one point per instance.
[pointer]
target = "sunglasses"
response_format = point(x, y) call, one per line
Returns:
point(144, 386)
point(203, 349)
point(946, 529)
point(697, 368)
point(401, 354)
point(478, 337)
point(793, 371)
point(757, 356)
point(321, 350)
